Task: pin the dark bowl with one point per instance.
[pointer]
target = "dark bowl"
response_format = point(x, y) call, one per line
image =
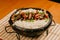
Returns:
point(31, 32)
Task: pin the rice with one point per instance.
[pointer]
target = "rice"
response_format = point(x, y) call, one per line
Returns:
point(31, 25)
point(29, 10)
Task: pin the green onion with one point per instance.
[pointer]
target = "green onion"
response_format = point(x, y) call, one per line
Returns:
point(31, 20)
point(40, 12)
point(46, 19)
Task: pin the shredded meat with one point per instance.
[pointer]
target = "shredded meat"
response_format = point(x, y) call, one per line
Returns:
point(24, 16)
point(30, 16)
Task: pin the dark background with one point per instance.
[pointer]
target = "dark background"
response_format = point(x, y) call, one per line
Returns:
point(58, 1)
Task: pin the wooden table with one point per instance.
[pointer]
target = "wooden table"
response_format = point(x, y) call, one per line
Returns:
point(7, 6)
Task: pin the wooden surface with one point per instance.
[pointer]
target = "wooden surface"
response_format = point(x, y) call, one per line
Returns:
point(53, 32)
point(7, 6)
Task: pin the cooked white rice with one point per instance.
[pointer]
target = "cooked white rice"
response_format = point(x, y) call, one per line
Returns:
point(31, 25)
point(29, 10)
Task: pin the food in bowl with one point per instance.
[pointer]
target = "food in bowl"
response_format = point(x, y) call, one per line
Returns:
point(30, 18)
